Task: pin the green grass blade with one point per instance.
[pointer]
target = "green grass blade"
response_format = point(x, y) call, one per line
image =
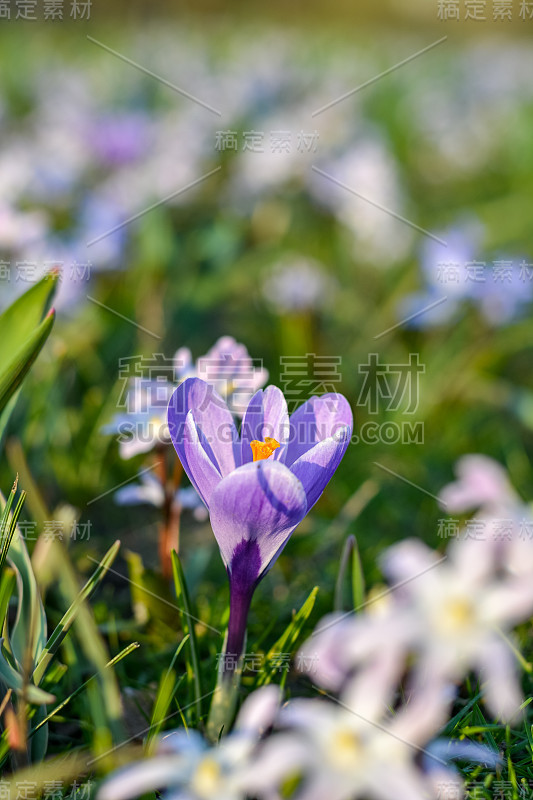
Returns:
point(104, 694)
point(358, 577)
point(287, 640)
point(127, 650)
point(187, 622)
point(70, 615)
point(165, 695)
point(9, 524)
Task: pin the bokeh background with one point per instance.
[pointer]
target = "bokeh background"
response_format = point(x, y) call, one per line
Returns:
point(270, 251)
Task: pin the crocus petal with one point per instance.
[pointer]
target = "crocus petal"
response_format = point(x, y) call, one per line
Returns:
point(317, 419)
point(191, 449)
point(266, 415)
point(211, 417)
point(316, 467)
point(258, 504)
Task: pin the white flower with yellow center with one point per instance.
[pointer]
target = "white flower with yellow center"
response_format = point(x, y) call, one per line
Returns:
point(190, 769)
point(351, 748)
point(459, 612)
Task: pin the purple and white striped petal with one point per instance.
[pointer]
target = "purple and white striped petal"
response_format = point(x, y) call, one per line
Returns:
point(315, 467)
point(191, 449)
point(256, 508)
point(212, 418)
point(317, 419)
point(266, 415)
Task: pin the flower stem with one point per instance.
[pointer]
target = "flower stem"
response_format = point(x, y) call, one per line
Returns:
point(239, 606)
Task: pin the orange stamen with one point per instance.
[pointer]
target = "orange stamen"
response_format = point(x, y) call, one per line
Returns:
point(262, 450)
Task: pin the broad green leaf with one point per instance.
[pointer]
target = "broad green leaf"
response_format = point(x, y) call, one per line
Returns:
point(8, 582)
point(6, 413)
point(29, 630)
point(18, 322)
point(15, 681)
point(13, 372)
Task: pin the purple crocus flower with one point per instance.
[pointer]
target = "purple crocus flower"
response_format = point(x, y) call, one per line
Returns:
point(260, 484)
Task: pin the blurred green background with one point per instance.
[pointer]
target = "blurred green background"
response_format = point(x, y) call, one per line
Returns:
point(270, 251)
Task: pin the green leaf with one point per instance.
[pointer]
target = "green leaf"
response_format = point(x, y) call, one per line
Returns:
point(18, 322)
point(15, 681)
point(8, 524)
point(22, 333)
point(28, 636)
point(8, 582)
point(13, 373)
point(358, 578)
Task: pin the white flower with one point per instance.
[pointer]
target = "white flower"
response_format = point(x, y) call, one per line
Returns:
point(341, 644)
point(143, 425)
point(191, 769)
point(151, 491)
point(298, 284)
point(459, 612)
point(228, 367)
point(353, 747)
point(504, 520)
point(481, 483)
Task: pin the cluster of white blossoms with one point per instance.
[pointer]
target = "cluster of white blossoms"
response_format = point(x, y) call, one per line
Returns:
point(384, 677)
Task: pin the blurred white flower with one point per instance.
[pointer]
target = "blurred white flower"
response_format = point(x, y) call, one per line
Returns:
point(503, 520)
point(298, 284)
point(150, 491)
point(143, 425)
point(370, 170)
point(460, 613)
point(228, 367)
point(354, 747)
point(344, 643)
point(190, 769)
point(19, 229)
point(481, 483)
